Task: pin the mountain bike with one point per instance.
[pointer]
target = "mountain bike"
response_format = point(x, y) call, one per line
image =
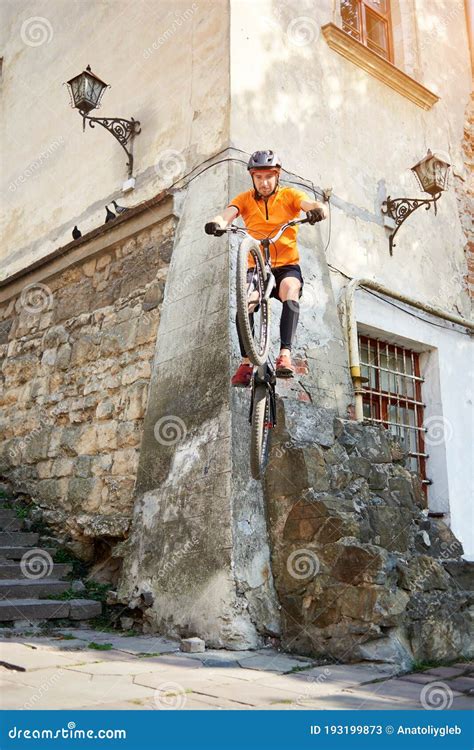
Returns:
point(253, 296)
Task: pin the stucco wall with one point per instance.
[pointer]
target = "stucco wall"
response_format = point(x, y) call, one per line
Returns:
point(166, 64)
point(335, 124)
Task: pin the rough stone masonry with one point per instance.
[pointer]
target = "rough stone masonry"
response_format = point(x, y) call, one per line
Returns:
point(75, 353)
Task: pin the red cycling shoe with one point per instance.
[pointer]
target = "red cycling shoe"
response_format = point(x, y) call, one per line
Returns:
point(284, 366)
point(242, 376)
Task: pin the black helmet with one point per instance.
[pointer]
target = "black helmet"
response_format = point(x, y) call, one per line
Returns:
point(264, 160)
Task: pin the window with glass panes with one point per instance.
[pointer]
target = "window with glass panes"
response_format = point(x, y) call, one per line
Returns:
point(392, 396)
point(368, 21)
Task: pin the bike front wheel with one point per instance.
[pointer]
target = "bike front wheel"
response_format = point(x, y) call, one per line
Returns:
point(256, 338)
point(260, 431)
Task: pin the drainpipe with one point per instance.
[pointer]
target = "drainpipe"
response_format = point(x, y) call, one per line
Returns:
point(354, 360)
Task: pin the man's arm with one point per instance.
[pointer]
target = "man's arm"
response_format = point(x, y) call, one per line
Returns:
point(221, 221)
point(226, 217)
point(312, 205)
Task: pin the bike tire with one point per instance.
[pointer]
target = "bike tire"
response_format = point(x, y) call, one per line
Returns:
point(256, 352)
point(260, 432)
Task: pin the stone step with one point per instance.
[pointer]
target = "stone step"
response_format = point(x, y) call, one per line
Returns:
point(48, 609)
point(28, 588)
point(11, 570)
point(18, 538)
point(16, 553)
point(9, 517)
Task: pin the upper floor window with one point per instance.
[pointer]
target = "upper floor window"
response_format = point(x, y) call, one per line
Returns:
point(368, 21)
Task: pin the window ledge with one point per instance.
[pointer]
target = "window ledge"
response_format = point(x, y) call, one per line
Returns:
point(385, 71)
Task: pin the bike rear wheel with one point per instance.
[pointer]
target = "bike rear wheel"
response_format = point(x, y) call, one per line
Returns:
point(260, 431)
point(256, 343)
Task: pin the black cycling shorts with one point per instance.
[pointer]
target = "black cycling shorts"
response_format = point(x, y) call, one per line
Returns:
point(280, 273)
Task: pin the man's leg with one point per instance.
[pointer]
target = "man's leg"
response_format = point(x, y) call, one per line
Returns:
point(288, 293)
point(243, 375)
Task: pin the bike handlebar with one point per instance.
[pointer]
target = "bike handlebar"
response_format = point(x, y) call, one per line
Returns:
point(234, 229)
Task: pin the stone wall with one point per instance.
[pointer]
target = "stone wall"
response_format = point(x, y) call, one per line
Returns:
point(75, 353)
point(361, 571)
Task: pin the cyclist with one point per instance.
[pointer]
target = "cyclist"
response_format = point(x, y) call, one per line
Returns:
point(263, 209)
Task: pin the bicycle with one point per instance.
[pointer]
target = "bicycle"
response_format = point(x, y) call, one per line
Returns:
point(262, 416)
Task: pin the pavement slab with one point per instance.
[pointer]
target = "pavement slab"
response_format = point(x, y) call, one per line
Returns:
point(183, 680)
point(344, 675)
point(129, 644)
point(273, 662)
point(402, 692)
point(445, 672)
point(462, 684)
point(464, 703)
point(137, 704)
point(419, 677)
point(250, 694)
point(66, 673)
point(220, 655)
point(131, 667)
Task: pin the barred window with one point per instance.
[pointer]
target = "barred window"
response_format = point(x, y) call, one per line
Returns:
point(392, 396)
point(369, 22)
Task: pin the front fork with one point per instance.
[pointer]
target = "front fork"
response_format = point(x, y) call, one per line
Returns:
point(265, 375)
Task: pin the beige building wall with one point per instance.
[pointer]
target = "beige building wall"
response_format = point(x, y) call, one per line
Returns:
point(340, 127)
point(167, 65)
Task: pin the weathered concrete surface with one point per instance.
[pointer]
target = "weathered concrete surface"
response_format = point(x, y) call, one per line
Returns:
point(196, 562)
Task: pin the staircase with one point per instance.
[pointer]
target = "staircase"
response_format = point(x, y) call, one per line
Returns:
point(28, 577)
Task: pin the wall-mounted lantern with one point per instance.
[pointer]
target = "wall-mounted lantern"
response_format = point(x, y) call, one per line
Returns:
point(432, 175)
point(86, 91)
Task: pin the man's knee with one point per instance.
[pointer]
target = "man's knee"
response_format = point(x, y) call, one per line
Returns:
point(289, 289)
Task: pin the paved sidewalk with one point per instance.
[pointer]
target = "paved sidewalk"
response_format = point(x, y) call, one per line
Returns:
point(87, 669)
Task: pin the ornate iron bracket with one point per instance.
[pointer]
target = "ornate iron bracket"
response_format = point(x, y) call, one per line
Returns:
point(400, 209)
point(123, 130)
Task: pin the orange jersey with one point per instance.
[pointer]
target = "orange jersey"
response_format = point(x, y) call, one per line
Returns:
point(263, 218)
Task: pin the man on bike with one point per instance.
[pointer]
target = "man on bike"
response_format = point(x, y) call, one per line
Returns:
point(264, 209)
